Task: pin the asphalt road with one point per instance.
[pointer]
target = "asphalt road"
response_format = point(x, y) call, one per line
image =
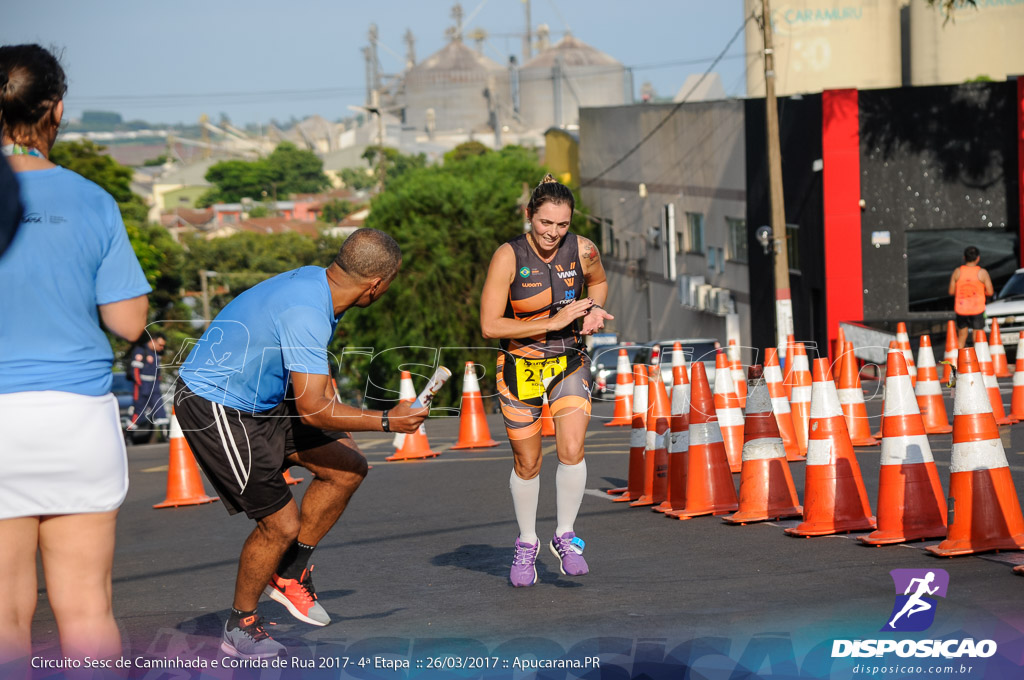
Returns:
point(417, 571)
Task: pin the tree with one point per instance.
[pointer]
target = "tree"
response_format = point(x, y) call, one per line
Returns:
point(392, 162)
point(357, 178)
point(448, 220)
point(465, 150)
point(336, 210)
point(287, 170)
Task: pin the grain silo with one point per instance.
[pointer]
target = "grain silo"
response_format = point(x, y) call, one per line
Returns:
point(564, 77)
point(454, 89)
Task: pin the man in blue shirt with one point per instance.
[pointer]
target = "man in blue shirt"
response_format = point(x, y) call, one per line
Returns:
point(255, 397)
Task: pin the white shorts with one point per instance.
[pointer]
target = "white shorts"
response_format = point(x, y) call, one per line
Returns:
point(60, 453)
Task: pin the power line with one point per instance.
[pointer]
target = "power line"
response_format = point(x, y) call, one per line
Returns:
point(674, 111)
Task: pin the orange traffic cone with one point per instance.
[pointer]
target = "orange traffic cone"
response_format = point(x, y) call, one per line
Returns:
point(288, 479)
point(851, 399)
point(656, 355)
point(984, 512)
point(547, 422)
point(730, 415)
point(709, 486)
point(787, 373)
point(991, 384)
point(893, 344)
point(637, 440)
point(951, 352)
point(656, 444)
point(908, 354)
point(739, 376)
point(411, 446)
point(766, 485)
point(800, 395)
point(780, 404)
point(835, 499)
point(679, 441)
point(184, 485)
point(623, 414)
point(929, 391)
point(1017, 399)
point(473, 430)
point(998, 352)
point(678, 356)
point(910, 500)
point(838, 348)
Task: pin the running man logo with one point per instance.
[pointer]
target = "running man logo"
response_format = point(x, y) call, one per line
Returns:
point(914, 609)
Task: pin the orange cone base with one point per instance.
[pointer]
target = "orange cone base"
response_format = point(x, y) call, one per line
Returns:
point(842, 508)
point(642, 501)
point(690, 514)
point(938, 430)
point(616, 492)
point(635, 476)
point(620, 421)
point(176, 502)
point(414, 456)
point(486, 444)
point(871, 441)
point(184, 485)
point(655, 470)
point(766, 492)
point(913, 490)
point(827, 528)
point(1019, 570)
point(990, 518)
point(288, 479)
point(761, 516)
point(676, 484)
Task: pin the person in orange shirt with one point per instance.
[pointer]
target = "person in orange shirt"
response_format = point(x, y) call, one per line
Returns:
point(969, 285)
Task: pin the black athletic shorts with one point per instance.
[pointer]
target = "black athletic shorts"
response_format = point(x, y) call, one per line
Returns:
point(243, 454)
point(975, 322)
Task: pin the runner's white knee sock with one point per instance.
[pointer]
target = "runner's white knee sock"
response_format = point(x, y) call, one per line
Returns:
point(525, 493)
point(570, 483)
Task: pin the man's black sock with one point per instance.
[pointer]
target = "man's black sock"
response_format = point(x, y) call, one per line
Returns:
point(295, 559)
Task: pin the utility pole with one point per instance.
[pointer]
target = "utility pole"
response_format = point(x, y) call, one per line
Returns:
point(783, 301)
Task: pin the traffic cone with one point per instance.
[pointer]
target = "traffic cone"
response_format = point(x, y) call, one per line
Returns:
point(908, 354)
point(800, 395)
point(989, 377)
point(679, 441)
point(656, 444)
point(984, 512)
point(835, 499)
point(547, 421)
point(184, 485)
point(678, 357)
point(893, 344)
point(787, 373)
point(929, 391)
point(656, 355)
point(730, 415)
point(838, 348)
point(851, 399)
point(910, 500)
point(473, 430)
point(411, 446)
point(637, 440)
point(998, 352)
point(766, 485)
point(951, 352)
point(623, 414)
point(709, 486)
point(288, 479)
point(1017, 399)
point(780, 404)
point(739, 376)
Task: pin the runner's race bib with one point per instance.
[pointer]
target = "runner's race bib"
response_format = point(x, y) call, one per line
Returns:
point(533, 374)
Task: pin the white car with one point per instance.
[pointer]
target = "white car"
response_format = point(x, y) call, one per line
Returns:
point(1008, 310)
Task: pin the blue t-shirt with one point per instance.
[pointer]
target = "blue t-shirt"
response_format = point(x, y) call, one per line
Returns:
point(281, 325)
point(71, 254)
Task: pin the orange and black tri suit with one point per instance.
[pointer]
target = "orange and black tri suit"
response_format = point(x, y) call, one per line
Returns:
point(553, 363)
point(969, 300)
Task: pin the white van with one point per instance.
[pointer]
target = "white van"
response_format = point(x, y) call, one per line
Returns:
point(1008, 310)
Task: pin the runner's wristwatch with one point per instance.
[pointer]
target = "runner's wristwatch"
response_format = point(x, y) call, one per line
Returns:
point(385, 424)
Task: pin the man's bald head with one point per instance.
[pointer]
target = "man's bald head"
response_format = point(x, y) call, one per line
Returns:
point(370, 254)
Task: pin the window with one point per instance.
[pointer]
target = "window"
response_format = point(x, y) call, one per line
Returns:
point(680, 243)
point(737, 239)
point(721, 260)
point(695, 229)
point(611, 240)
point(792, 246)
point(627, 251)
point(711, 258)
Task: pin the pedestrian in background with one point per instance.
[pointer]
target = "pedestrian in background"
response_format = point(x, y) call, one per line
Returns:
point(969, 285)
point(147, 400)
point(65, 470)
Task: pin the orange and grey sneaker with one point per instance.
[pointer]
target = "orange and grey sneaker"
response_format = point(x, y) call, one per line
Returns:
point(299, 597)
point(250, 640)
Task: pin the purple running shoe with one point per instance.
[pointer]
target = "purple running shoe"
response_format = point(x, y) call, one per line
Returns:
point(524, 564)
point(568, 548)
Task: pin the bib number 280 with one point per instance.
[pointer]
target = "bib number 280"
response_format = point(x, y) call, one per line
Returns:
point(533, 374)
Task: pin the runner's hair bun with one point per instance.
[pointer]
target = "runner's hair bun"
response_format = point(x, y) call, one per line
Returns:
point(548, 179)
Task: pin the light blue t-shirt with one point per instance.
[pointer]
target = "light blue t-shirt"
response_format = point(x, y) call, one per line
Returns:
point(71, 254)
point(281, 325)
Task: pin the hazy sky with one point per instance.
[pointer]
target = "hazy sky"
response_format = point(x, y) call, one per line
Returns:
point(257, 60)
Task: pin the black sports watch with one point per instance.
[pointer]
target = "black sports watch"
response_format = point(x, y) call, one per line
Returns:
point(385, 424)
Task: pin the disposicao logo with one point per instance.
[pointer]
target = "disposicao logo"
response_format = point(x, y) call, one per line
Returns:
point(916, 589)
point(914, 611)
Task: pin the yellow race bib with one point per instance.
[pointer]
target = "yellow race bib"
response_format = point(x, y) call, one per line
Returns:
point(533, 374)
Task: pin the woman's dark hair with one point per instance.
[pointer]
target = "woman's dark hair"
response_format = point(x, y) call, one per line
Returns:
point(32, 81)
point(971, 254)
point(550, 190)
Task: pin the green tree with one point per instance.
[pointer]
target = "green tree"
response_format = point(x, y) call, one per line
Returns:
point(357, 178)
point(287, 170)
point(151, 162)
point(336, 210)
point(466, 149)
point(392, 162)
point(448, 220)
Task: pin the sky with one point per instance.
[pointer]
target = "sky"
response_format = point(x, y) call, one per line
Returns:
point(258, 60)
